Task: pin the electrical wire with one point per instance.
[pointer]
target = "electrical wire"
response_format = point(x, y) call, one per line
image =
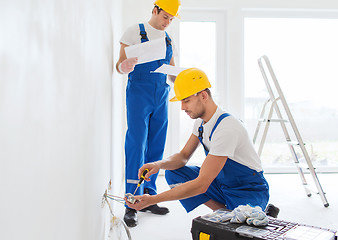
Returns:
point(115, 198)
point(115, 221)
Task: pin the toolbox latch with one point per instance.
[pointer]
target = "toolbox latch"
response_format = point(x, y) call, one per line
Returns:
point(204, 236)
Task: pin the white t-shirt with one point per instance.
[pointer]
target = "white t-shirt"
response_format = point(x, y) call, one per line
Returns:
point(132, 35)
point(229, 139)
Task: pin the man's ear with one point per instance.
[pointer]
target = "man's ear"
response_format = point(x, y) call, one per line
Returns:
point(154, 11)
point(205, 95)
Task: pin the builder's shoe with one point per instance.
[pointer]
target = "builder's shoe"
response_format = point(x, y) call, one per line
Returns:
point(156, 209)
point(271, 210)
point(130, 217)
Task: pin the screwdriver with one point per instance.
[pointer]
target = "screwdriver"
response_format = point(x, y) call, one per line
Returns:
point(145, 171)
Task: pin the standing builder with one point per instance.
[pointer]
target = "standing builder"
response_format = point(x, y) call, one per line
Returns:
point(147, 102)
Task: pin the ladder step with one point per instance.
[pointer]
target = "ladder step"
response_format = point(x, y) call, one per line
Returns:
point(311, 189)
point(293, 143)
point(303, 165)
point(272, 120)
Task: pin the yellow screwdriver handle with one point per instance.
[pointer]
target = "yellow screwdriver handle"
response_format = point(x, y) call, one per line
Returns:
point(143, 176)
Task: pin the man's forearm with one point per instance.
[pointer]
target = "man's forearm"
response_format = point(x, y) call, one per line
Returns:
point(173, 162)
point(183, 191)
point(186, 190)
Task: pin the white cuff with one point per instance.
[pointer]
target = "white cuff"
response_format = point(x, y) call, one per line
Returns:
point(119, 68)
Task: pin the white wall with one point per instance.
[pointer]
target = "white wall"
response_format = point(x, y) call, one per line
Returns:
point(55, 117)
point(118, 105)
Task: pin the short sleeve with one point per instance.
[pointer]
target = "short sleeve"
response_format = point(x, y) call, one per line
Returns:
point(131, 35)
point(224, 141)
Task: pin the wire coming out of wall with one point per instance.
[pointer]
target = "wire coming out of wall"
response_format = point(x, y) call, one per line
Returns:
point(118, 229)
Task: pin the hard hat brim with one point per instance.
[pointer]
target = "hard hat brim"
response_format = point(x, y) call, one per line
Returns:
point(174, 99)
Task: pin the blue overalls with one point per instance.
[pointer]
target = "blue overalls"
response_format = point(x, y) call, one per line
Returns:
point(235, 185)
point(147, 118)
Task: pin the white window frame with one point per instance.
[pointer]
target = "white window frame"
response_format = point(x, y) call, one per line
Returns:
point(221, 96)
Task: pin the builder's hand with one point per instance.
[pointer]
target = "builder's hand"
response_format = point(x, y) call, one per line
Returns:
point(142, 201)
point(128, 65)
point(153, 168)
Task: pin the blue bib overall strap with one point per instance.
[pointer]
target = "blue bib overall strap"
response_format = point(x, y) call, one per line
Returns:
point(143, 33)
point(144, 37)
point(167, 39)
point(200, 131)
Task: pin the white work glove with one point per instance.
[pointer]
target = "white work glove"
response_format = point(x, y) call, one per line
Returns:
point(127, 65)
point(250, 215)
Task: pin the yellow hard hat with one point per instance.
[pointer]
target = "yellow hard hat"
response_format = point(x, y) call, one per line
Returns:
point(188, 82)
point(170, 6)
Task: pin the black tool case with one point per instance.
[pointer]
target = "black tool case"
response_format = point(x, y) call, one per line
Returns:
point(203, 229)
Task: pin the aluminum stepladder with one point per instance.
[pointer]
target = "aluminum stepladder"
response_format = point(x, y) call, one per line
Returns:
point(274, 101)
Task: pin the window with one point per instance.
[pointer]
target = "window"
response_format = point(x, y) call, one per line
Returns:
point(200, 44)
point(303, 53)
